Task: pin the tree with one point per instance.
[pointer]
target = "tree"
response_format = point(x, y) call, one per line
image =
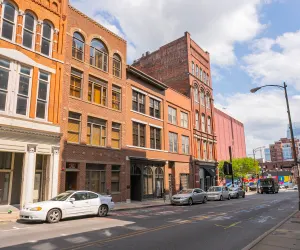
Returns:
point(241, 167)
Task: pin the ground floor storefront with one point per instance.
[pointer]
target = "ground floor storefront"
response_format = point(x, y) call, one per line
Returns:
point(207, 174)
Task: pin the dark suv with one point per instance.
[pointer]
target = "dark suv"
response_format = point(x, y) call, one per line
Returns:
point(268, 185)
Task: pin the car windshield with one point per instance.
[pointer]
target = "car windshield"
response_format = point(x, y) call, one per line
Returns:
point(62, 196)
point(266, 182)
point(214, 189)
point(233, 189)
point(186, 191)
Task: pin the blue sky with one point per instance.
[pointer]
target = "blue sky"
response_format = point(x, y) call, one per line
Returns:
point(251, 43)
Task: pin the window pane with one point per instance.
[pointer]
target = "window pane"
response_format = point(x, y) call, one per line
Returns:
point(44, 76)
point(97, 94)
point(45, 47)
point(2, 100)
point(27, 39)
point(3, 79)
point(7, 30)
point(21, 105)
point(73, 125)
point(24, 85)
point(46, 31)
point(40, 110)
point(96, 135)
point(42, 94)
point(29, 22)
point(9, 12)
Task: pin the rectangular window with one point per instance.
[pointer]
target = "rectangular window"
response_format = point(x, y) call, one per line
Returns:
point(138, 131)
point(97, 92)
point(204, 150)
point(155, 138)
point(23, 91)
point(203, 123)
point(173, 142)
point(42, 99)
point(74, 123)
point(201, 74)
point(4, 76)
point(116, 135)
point(154, 108)
point(199, 149)
point(202, 98)
point(197, 71)
point(138, 101)
point(116, 97)
point(193, 68)
point(185, 141)
point(96, 132)
point(172, 115)
point(95, 178)
point(210, 151)
point(76, 83)
point(197, 120)
point(208, 125)
point(115, 178)
point(184, 120)
point(184, 181)
point(117, 67)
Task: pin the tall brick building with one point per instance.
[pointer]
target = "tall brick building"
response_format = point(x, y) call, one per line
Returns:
point(31, 71)
point(185, 67)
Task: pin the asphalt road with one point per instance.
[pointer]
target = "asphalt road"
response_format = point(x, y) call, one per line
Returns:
point(217, 225)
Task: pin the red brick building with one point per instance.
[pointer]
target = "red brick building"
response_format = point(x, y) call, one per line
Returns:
point(185, 67)
point(230, 132)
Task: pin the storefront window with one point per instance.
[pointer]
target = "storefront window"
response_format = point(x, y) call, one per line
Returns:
point(115, 179)
point(148, 181)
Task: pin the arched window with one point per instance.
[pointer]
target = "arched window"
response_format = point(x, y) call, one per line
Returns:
point(208, 125)
point(197, 120)
point(148, 181)
point(99, 55)
point(78, 46)
point(196, 93)
point(55, 7)
point(8, 21)
point(28, 31)
point(207, 97)
point(193, 68)
point(203, 123)
point(46, 47)
point(202, 97)
point(117, 66)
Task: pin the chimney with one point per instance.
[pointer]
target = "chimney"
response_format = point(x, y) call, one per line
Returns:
point(147, 53)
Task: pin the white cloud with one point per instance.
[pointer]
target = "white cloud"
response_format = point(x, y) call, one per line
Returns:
point(215, 25)
point(263, 114)
point(274, 61)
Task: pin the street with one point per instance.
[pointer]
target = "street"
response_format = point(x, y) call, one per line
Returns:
point(224, 225)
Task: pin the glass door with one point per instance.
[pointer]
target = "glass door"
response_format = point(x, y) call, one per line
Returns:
point(4, 187)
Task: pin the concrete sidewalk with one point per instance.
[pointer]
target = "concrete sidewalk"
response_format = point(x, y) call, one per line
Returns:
point(286, 235)
point(5, 216)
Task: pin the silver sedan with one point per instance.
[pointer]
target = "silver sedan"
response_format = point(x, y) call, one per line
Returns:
point(189, 196)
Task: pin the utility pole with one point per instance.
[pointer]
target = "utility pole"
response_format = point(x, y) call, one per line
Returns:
point(230, 156)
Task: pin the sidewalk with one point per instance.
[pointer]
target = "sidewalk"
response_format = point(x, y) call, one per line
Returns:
point(119, 206)
point(286, 235)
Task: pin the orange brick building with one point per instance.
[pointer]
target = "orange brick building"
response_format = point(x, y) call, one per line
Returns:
point(31, 72)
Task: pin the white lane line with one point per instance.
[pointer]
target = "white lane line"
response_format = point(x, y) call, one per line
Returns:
point(107, 233)
point(32, 241)
point(14, 229)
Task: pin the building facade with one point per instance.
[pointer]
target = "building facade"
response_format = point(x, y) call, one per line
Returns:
point(230, 133)
point(31, 65)
point(94, 101)
point(185, 67)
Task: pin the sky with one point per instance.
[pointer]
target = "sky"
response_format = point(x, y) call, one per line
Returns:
point(251, 43)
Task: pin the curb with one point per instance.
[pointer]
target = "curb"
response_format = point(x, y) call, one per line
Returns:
point(135, 208)
point(260, 238)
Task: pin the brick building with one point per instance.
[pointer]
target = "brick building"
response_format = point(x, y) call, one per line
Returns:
point(185, 67)
point(230, 132)
point(31, 65)
point(94, 101)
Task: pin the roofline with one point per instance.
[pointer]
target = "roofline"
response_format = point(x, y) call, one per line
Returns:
point(146, 77)
point(229, 116)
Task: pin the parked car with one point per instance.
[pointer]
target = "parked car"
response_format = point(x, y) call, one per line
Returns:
point(218, 193)
point(295, 187)
point(189, 196)
point(253, 187)
point(269, 185)
point(68, 204)
point(236, 192)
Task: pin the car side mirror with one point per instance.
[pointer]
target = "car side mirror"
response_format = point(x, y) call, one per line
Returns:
point(72, 199)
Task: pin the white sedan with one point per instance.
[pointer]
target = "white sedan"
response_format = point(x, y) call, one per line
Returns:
point(68, 204)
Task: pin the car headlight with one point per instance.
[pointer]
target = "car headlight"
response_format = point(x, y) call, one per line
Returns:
point(36, 209)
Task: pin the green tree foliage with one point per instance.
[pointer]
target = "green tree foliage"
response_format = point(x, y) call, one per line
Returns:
point(241, 167)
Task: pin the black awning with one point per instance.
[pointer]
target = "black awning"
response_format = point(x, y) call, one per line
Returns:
point(211, 171)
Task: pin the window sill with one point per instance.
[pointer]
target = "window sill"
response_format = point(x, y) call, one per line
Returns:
point(120, 78)
point(137, 112)
point(175, 125)
point(99, 69)
point(144, 148)
point(78, 60)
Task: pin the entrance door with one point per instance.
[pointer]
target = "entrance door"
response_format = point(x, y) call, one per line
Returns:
point(135, 183)
point(71, 180)
point(4, 188)
point(17, 177)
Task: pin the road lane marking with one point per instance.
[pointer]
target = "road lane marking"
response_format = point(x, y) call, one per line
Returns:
point(107, 233)
point(230, 226)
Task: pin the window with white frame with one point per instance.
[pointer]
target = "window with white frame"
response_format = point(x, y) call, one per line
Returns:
point(201, 74)
point(78, 46)
point(23, 91)
point(172, 115)
point(207, 97)
point(138, 101)
point(99, 55)
point(184, 120)
point(42, 98)
point(4, 78)
point(209, 125)
point(197, 120)
point(154, 108)
point(185, 141)
point(203, 123)
point(97, 91)
point(155, 138)
point(46, 46)
point(196, 93)
point(9, 15)
point(139, 134)
point(173, 142)
point(202, 97)
point(197, 71)
point(199, 149)
point(28, 31)
point(96, 132)
point(117, 65)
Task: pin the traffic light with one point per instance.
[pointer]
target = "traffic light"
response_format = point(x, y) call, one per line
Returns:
point(227, 168)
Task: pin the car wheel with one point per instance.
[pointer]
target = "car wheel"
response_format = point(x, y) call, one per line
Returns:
point(205, 199)
point(221, 198)
point(103, 210)
point(54, 216)
point(229, 197)
point(237, 196)
point(190, 201)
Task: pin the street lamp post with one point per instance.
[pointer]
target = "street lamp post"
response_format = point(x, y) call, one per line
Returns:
point(254, 151)
point(291, 128)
